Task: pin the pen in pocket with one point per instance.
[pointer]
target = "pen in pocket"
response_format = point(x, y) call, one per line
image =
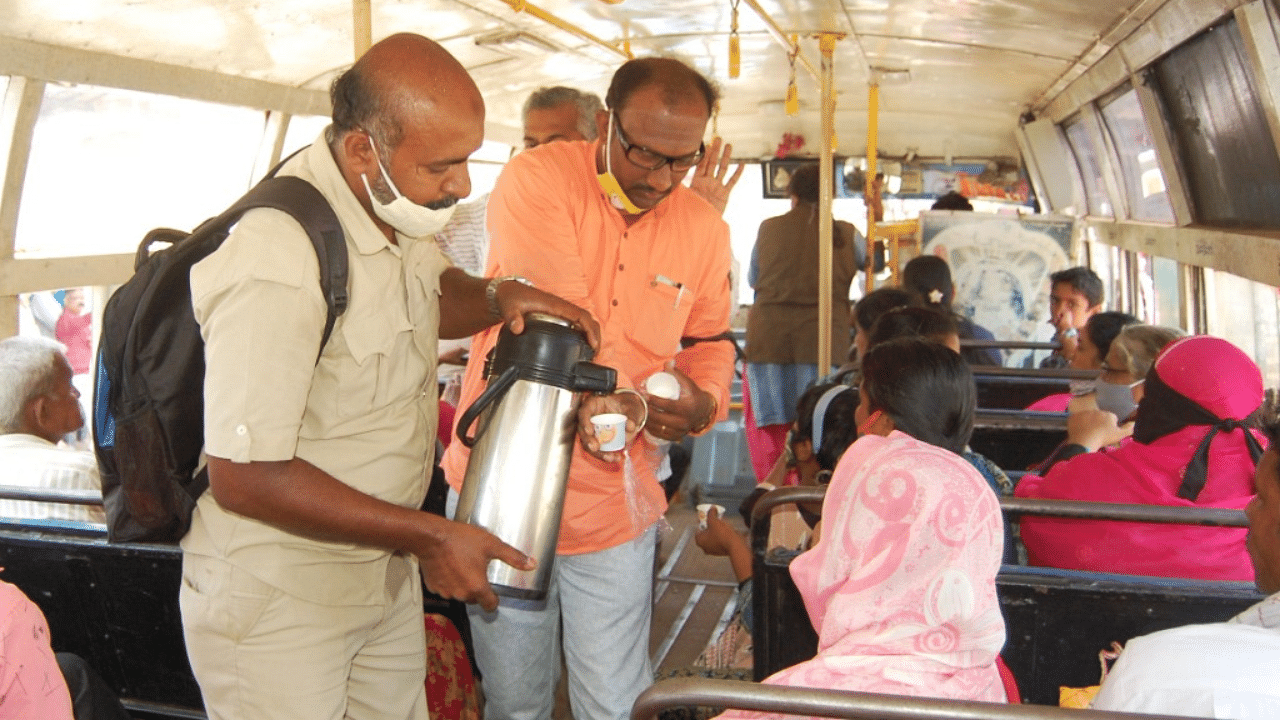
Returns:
point(679, 286)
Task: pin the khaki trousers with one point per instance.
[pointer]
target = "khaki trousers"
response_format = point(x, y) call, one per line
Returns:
point(260, 654)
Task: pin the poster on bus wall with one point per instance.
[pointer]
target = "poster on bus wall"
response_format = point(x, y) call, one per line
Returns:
point(1000, 265)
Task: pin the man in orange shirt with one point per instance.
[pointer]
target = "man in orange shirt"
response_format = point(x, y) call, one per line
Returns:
point(608, 226)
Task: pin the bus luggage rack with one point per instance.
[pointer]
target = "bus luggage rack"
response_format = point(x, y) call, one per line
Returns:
point(729, 694)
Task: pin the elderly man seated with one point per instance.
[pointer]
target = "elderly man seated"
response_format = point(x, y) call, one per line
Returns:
point(1221, 670)
point(39, 405)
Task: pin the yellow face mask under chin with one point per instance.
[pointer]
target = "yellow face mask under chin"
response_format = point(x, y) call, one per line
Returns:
point(609, 184)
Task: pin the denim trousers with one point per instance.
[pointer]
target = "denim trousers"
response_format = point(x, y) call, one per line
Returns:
point(600, 604)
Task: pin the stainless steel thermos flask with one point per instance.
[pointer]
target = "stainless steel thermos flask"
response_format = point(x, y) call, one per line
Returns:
point(527, 422)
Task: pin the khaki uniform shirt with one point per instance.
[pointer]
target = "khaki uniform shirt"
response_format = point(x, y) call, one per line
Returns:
point(365, 413)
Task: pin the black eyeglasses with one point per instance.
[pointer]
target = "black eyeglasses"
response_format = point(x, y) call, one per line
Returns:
point(642, 156)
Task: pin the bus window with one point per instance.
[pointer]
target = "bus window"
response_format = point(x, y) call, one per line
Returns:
point(1219, 125)
point(1104, 260)
point(1143, 181)
point(485, 166)
point(124, 162)
point(1166, 284)
point(303, 130)
point(1245, 312)
point(1090, 166)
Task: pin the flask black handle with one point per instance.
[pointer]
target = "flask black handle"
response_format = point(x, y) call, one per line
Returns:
point(496, 389)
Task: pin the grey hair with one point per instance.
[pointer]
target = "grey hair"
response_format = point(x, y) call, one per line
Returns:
point(1138, 346)
point(27, 367)
point(588, 105)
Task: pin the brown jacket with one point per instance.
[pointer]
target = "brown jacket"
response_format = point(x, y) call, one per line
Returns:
point(782, 325)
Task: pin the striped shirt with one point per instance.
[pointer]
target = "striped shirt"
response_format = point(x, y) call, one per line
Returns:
point(36, 463)
point(465, 240)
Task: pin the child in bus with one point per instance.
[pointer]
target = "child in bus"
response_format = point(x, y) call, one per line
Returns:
point(901, 584)
point(1192, 446)
point(1094, 343)
point(928, 279)
point(824, 428)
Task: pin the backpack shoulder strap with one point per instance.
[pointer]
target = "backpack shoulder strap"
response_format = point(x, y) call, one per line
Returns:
point(302, 201)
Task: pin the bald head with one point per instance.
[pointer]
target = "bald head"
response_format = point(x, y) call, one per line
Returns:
point(402, 77)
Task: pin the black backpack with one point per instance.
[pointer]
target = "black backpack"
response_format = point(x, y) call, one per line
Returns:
point(148, 401)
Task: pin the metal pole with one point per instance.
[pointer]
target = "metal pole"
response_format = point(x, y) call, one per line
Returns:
point(873, 119)
point(826, 190)
point(781, 699)
point(1081, 509)
point(361, 26)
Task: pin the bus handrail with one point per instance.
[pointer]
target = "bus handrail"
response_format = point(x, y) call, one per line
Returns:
point(64, 496)
point(740, 695)
point(1079, 509)
point(1008, 344)
point(1034, 373)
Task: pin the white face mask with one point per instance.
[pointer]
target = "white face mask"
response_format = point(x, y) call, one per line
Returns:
point(1117, 398)
point(406, 216)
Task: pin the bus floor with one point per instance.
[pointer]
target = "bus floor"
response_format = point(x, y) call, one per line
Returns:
point(694, 594)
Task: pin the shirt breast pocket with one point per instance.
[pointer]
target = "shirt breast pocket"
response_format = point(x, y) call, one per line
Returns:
point(359, 376)
point(660, 315)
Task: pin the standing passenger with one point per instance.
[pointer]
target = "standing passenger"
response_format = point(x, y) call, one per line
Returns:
point(300, 596)
point(782, 326)
point(609, 226)
point(551, 114)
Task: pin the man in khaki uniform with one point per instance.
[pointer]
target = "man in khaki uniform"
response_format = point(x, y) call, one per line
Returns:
point(299, 595)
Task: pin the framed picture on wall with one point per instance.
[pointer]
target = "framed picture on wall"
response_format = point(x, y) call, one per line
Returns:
point(777, 176)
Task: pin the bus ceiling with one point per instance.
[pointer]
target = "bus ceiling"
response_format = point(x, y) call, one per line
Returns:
point(956, 77)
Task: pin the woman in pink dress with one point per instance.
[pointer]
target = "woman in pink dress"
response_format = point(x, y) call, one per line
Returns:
point(1192, 447)
point(901, 584)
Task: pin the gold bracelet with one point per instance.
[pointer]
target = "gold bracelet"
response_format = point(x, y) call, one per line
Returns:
point(644, 403)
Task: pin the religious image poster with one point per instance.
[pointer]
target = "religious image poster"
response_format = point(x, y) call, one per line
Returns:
point(1000, 266)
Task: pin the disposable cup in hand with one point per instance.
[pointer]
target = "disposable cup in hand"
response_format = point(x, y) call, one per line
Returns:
point(611, 430)
point(705, 508)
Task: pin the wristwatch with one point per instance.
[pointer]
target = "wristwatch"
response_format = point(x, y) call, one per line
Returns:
point(491, 292)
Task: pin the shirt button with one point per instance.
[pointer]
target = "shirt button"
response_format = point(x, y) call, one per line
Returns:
point(621, 266)
point(242, 430)
point(615, 303)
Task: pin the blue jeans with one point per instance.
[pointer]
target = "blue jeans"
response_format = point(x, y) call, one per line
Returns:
point(605, 600)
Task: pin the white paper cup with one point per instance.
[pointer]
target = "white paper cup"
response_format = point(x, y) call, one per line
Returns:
point(611, 430)
point(705, 508)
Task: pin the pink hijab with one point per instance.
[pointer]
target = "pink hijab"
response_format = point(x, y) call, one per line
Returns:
point(901, 586)
point(1188, 450)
